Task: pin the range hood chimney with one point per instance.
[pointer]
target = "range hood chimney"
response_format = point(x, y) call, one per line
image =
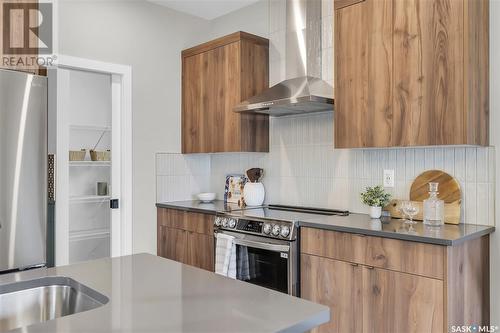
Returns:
point(303, 91)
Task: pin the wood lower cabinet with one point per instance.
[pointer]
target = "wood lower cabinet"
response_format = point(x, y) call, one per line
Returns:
point(374, 284)
point(216, 76)
point(186, 237)
point(200, 251)
point(172, 244)
point(400, 302)
point(337, 284)
point(411, 73)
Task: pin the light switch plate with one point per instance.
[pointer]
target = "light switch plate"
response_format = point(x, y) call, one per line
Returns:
point(389, 178)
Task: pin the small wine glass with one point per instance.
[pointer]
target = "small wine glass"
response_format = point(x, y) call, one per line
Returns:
point(410, 210)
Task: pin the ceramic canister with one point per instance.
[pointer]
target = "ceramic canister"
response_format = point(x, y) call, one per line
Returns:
point(254, 194)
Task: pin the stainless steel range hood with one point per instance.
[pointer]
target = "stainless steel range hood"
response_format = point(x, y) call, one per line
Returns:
point(303, 90)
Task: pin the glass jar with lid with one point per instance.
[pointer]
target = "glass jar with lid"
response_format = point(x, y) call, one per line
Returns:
point(433, 207)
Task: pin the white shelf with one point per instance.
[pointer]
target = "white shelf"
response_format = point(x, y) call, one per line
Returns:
point(89, 198)
point(88, 234)
point(89, 163)
point(90, 128)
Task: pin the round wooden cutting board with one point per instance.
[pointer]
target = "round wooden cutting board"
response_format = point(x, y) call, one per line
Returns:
point(449, 187)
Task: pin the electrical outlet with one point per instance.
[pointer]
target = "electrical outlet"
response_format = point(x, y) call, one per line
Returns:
point(388, 178)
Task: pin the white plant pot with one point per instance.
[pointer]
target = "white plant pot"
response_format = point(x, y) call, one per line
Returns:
point(254, 194)
point(375, 212)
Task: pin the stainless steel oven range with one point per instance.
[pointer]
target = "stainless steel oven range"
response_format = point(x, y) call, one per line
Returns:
point(268, 238)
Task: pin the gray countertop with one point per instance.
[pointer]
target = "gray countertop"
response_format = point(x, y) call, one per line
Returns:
point(200, 207)
point(354, 223)
point(395, 228)
point(151, 294)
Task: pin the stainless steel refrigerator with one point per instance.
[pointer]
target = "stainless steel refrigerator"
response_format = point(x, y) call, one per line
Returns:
point(23, 170)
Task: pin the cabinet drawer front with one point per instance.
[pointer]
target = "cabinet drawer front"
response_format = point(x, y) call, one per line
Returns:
point(403, 256)
point(190, 221)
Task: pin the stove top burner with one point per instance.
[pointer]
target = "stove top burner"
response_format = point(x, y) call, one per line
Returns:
point(274, 221)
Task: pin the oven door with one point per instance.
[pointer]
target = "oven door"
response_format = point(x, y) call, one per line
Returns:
point(266, 262)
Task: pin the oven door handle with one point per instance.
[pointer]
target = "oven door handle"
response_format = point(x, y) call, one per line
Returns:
point(262, 245)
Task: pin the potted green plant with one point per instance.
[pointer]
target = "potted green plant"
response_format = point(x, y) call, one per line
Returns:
point(375, 197)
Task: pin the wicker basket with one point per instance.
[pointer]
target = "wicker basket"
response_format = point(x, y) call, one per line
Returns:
point(96, 155)
point(77, 155)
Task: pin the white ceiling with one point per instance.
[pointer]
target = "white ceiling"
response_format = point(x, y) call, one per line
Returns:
point(207, 9)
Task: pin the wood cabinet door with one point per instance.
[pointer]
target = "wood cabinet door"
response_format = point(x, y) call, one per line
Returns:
point(225, 126)
point(200, 251)
point(211, 89)
point(428, 73)
point(399, 302)
point(338, 285)
point(172, 244)
point(363, 74)
point(197, 104)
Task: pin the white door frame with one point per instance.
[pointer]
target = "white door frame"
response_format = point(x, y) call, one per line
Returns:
point(121, 89)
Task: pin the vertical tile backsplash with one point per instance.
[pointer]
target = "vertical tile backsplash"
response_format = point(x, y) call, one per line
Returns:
point(181, 177)
point(303, 168)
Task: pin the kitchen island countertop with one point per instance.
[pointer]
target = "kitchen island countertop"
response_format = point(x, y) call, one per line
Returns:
point(151, 294)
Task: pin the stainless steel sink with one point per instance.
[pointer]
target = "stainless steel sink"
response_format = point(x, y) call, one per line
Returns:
point(34, 301)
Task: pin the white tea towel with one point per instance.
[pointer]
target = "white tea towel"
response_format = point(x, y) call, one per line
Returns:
point(225, 256)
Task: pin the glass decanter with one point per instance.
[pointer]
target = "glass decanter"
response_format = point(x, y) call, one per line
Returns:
point(433, 207)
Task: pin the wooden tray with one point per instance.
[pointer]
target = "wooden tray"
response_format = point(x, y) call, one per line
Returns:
point(449, 192)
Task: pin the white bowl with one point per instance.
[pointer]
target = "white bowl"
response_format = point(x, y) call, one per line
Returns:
point(207, 197)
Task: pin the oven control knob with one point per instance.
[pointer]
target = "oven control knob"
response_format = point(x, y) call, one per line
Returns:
point(218, 221)
point(276, 230)
point(267, 228)
point(232, 223)
point(285, 231)
point(224, 222)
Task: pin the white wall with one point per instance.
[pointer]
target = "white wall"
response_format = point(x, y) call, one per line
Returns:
point(253, 19)
point(149, 38)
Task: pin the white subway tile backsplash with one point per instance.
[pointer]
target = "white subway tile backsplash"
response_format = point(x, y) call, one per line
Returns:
point(439, 158)
point(460, 164)
point(410, 163)
point(180, 177)
point(482, 203)
point(482, 167)
point(470, 164)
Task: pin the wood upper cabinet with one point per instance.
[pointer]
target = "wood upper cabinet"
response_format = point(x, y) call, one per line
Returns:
point(216, 76)
point(376, 284)
point(363, 73)
point(411, 73)
point(17, 37)
point(187, 237)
